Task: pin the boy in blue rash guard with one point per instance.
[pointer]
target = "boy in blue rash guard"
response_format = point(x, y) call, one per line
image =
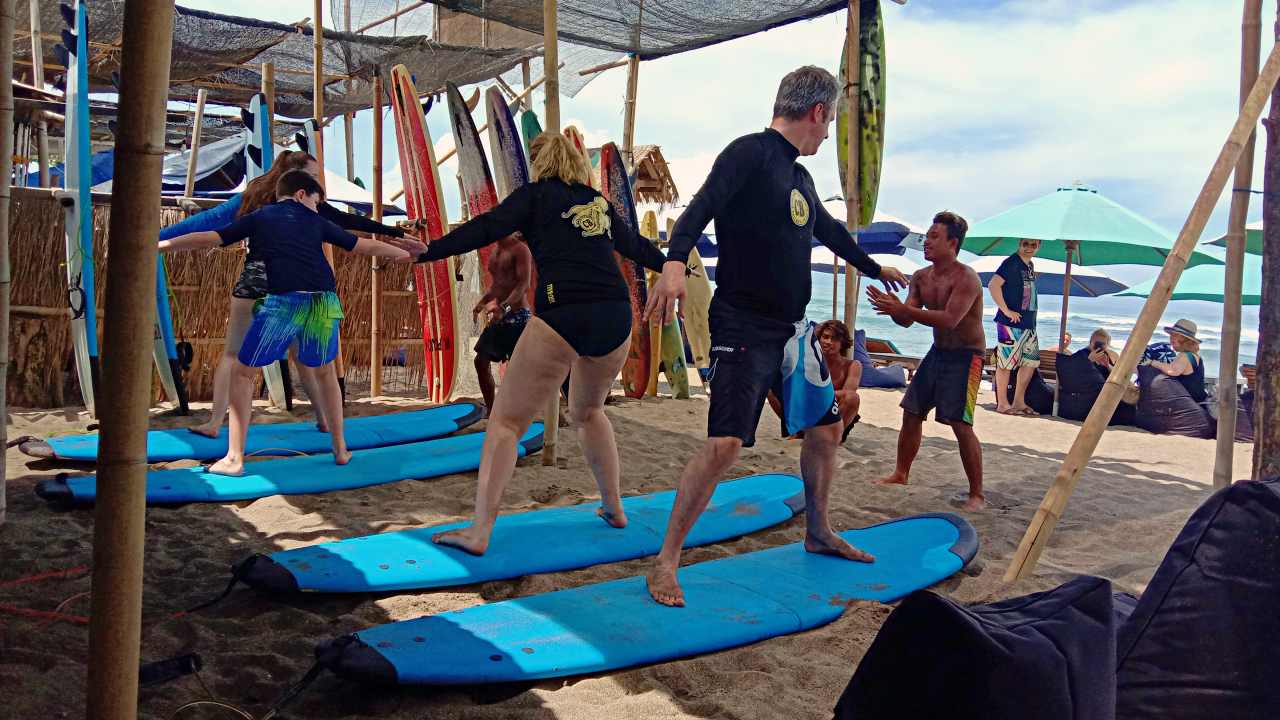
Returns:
point(765, 209)
point(301, 304)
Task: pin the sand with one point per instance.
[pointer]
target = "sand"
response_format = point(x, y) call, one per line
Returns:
point(1131, 501)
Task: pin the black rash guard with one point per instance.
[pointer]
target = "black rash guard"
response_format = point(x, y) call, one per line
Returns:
point(347, 221)
point(572, 232)
point(766, 210)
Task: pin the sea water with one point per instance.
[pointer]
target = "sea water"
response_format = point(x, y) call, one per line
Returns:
point(1114, 314)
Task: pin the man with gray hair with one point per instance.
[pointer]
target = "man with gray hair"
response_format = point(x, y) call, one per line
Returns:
point(766, 210)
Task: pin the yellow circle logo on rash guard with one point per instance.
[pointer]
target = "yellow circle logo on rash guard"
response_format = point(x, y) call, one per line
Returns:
point(799, 208)
point(592, 218)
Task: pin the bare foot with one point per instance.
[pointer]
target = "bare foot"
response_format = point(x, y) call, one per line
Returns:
point(342, 458)
point(972, 503)
point(205, 430)
point(615, 517)
point(896, 478)
point(322, 426)
point(664, 587)
point(232, 467)
point(829, 543)
point(468, 539)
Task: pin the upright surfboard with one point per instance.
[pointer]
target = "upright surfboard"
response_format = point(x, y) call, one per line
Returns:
point(300, 475)
point(531, 128)
point(274, 438)
point(730, 602)
point(697, 305)
point(668, 341)
point(566, 538)
point(77, 203)
point(259, 154)
point(437, 295)
point(510, 167)
point(871, 103)
point(615, 186)
point(479, 193)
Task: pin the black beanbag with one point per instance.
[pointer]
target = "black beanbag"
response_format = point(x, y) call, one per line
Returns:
point(1204, 639)
point(1165, 407)
point(1039, 393)
point(1081, 382)
point(1244, 417)
point(1048, 656)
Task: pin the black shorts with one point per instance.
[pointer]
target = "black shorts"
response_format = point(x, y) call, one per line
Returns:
point(947, 381)
point(591, 329)
point(746, 363)
point(252, 283)
point(499, 339)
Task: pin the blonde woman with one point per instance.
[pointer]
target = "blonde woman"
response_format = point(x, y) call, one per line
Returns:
point(251, 286)
point(582, 323)
point(1187, 366)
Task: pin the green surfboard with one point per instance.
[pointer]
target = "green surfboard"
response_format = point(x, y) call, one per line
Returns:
point(871, 101)
point(531, 128)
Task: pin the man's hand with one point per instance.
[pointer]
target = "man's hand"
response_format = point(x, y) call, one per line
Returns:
point(892, 278)
point(1013, 316)
point(669, 289)
point(887, 303)
point(491, 309)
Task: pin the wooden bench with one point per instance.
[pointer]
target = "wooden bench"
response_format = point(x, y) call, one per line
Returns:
point(1048, 363)
point(906, 361)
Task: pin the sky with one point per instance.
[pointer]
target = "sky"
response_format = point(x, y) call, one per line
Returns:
point(990, 103)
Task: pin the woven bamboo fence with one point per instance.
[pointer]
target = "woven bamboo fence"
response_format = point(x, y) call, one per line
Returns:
point(42, 372)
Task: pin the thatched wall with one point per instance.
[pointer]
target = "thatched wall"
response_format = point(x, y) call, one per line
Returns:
point(42, 372)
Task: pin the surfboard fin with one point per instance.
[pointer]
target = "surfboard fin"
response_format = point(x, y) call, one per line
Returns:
point(349, 656)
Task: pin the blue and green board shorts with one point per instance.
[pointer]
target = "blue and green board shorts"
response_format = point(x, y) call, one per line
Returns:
point(309, 318)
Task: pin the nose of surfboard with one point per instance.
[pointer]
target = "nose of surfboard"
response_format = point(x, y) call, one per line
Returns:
point(36, 448)
point(262, 573)
point(56, 492)
point(349, 656)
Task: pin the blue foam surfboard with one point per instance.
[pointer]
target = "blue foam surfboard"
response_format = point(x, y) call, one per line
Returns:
point(732, 602)
point(276, 439)
point(301, 475)
point(565, 538)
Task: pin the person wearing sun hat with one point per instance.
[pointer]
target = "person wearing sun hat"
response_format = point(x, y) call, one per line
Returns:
point(1186, 366)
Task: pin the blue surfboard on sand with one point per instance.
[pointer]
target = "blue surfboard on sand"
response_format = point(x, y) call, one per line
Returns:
point(565, 538)
point(732, 602)
point(300, 475)
point(276, 439)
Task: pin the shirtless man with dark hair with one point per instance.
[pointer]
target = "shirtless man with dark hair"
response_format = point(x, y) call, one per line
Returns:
point(506, 309)
point(946, 296)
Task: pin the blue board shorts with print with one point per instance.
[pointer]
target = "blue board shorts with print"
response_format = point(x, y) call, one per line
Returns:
point(309, 318)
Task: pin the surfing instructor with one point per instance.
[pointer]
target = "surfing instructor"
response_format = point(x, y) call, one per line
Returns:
point(766, 210)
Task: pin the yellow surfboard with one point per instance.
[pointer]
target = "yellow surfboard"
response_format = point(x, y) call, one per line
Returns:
point(666, 342)
point(697, 302)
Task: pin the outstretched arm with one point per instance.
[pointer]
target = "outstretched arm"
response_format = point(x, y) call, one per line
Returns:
point(509, 216)
point(832, 233)
point(377, 248)
point(201, 240)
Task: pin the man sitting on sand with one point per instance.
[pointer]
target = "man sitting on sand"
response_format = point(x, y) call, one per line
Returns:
point(766, 209)
point(946, 296)
point(846, 375)
point(506, 308)
point(301, 304)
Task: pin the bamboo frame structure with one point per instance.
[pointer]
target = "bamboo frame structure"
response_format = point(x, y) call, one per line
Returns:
point(604, 66)
point(348, 120)
point(1055, 500)
point(392, 16)
point(37, 79)
point(190, 188)
point(551, 123)
point(317, 114)
point(269, 90)
point(7, 24)
point(526, 74)
point(629, 110)
point(852, 194)
point(375, 280)
point(119, 519)
point(1229, 352)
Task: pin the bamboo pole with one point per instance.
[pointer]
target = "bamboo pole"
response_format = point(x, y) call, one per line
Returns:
point(37, 79)
point(197, 127)
point(1229, 352)
point(348, 120)
point(1073, 246)
point(317, 113)
point(853, 194)
point(551, 123)
point(8, 21)
point(119, 519)
point(1055, 500)
point(629, 112)
point(604, 66)
point(375, 282)
point(1266, 403)
point(526, 74)
point(269, 90)
point(392, 16)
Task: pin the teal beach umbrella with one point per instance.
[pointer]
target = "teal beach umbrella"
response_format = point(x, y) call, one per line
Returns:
point(1206, 281)
point(1252, 239)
